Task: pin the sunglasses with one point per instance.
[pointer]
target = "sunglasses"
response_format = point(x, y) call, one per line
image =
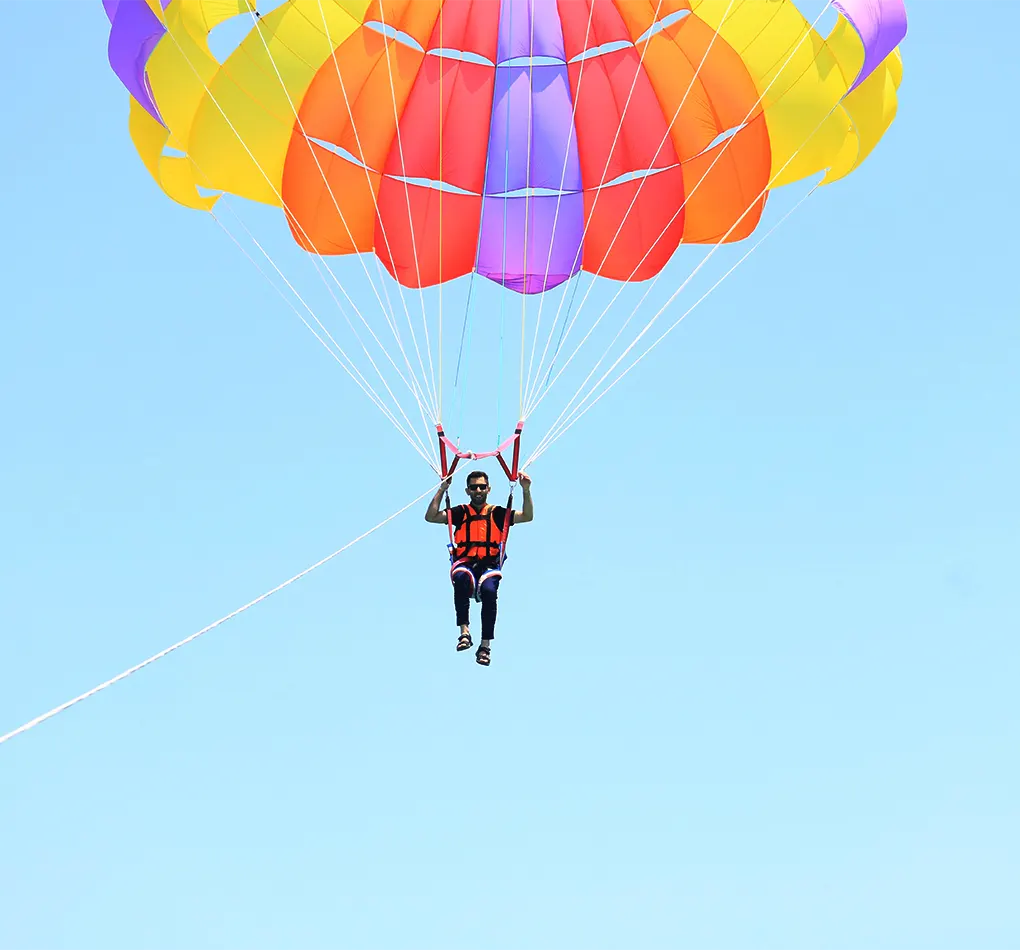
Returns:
point(477, 488)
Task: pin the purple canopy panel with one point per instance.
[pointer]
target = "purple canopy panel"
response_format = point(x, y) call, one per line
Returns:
point(529, 30)
point(134, 32)
point(539, 93)
point(881, 25)
point(556, 251)
point(544, 92)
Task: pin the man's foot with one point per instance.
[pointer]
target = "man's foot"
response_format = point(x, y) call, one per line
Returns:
point(482, 656)
point(464, 642)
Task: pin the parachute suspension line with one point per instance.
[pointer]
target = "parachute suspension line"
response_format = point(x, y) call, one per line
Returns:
point(442, 123)
point(256, 20)
point(407, 199)
point(559, 200)
point(563, 326)
point(392, 323)
point(690, 277)
point(506, 208)
point(464, 325)
point(343, 359)
point(537, 399)
point(578, 411)
point(527, 217)
point(56, 710)
point(499, 381)
point(422, 399)
point(704, 261)
point(524, 311)
point(421, 407)
point(413, 388)
point(547, 384)
point(569, 326)
point(212, 98)
point(329, 336)
point(465, 329)
point(609, 155)
point(462, 392)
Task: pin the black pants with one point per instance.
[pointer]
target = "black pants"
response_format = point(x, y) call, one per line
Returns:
point(465, 583)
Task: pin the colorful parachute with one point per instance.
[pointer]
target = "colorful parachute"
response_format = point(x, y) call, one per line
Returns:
point(437, 123)
point(525, 141)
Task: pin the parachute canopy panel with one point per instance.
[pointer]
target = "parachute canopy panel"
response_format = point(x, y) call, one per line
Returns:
point(523, 140)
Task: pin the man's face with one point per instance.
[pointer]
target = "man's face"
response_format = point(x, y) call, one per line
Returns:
point(478, 490)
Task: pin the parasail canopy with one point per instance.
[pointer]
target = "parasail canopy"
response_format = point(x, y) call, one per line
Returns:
point(523, 141)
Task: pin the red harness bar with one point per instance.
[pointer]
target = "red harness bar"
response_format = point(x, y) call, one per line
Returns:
point(445, 443)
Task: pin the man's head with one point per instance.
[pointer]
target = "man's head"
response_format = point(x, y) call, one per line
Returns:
point(478, 488)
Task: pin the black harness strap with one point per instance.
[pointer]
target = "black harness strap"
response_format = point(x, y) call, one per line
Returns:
point(507, 521)
point(468, 549)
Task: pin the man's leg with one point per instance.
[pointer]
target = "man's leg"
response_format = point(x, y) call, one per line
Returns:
point(463, 588)
point(489, 593)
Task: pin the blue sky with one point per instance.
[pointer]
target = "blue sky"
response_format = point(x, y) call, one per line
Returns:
point(754, 683)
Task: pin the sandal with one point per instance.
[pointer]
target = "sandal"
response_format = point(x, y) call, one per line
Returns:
point(482, 656)
point(464, 642)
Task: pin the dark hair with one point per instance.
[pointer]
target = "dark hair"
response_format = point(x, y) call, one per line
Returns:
point(478, 475)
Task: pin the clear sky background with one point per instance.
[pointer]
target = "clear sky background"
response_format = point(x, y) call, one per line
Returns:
point(755, 679)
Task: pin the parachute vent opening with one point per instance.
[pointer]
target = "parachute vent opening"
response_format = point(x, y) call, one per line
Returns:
point(394, 34)
point(228, 35)
point(604, 50)
point(659, 25)
point(532, 193)
point(635, 176)
point(339, 152)
point(722, 137)
point(827, 21)
point(432, 183)
point(531, 61)
point(461, 55)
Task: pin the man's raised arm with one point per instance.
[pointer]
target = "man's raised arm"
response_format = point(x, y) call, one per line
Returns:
point(527, 512)
point(432, 514)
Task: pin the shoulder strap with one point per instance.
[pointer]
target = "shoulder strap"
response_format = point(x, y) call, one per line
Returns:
point(449, 526)
point(507, 520)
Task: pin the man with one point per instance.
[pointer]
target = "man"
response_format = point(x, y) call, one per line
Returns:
point(479, 533)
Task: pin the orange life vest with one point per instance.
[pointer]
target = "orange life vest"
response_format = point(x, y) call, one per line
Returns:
point(479, 535)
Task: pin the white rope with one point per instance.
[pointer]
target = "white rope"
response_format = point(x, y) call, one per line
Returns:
point(272, 187)
point(601, 184)
point(56, 710)
point(346, 362)
point(407, 198)
point(567, 409)
point(598, 188)
point(257, 22)
point(442, 129)
point(545, 388)
point(394, 329)
point(390, 318)
point(527, 195)
point(378, 371)
point(553, 436)
point(559, 199)
point(378, 217)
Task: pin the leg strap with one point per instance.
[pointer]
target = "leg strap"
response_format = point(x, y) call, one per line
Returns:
point(488, 575)
point(461, 569)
